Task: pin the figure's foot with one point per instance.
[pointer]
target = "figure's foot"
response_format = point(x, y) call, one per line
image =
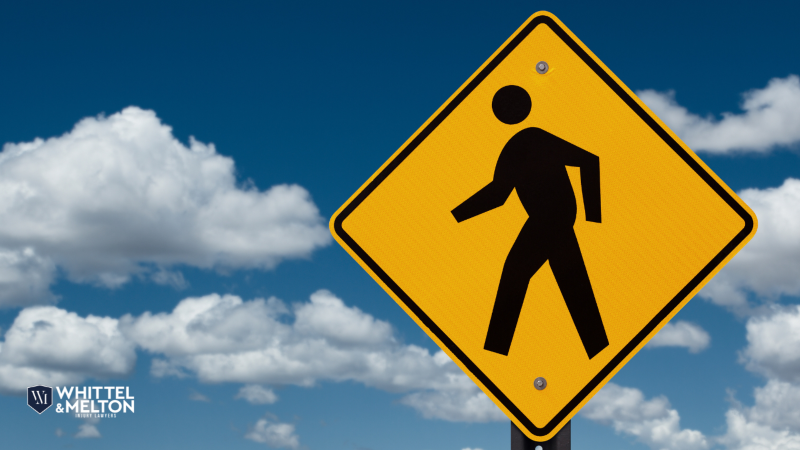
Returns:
point(595, 347)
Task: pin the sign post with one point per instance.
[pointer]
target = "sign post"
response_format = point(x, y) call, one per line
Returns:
point(561, 441)
point(542, 226)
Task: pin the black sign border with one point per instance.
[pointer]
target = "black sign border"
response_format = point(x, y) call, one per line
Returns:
point(620, 357)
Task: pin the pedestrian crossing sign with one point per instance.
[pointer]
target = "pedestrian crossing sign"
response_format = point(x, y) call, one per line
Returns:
point(542, 226)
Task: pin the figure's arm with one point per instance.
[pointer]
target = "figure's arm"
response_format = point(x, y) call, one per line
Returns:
point(490, 197)
point(590, 176)
point(590, 185)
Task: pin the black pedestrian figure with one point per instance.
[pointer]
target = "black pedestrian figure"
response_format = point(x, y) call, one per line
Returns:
point(533, 162)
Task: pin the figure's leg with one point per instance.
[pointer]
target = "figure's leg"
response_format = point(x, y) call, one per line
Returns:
point(573, 280)
point(526, 257)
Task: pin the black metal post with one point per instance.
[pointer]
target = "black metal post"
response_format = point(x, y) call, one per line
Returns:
point(561, 441)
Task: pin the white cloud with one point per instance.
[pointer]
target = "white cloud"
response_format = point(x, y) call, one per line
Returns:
point(773, 349)
point(15, 379)
point(777, 405)
point(88, 429)
point(771, 118)
point(226, 339)
point(327, 316)
point(769, 264)
point(681, 334)
point(774, 345)
point(48, 345)
point(25, 277)
point(119, 196)
point(276, 435)
point(257, 395)
point(212, 324)
point(469, 404)
point(772, 423)
point(653, 422)
point(744, 434)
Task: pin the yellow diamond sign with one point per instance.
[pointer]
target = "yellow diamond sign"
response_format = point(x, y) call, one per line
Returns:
point(543, 225)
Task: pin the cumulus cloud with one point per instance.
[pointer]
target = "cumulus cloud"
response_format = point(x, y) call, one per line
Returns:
point(212, 324)
point(120, 196)
point(745, 434)
point(770, 118)
point(652, 422)
point(326, 316)
point(48, 345)
point(773, 422)
point(681, 334)
point(773, 350)
point(773, 347)
point(25, 277)
point(468, 404)
point(777, 404)
point(769, 264)
point(225, 339)
point(274, 434)
point(222, 338)
point(257, 395)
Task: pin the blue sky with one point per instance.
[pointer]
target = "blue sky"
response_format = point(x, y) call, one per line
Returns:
point(168, 230)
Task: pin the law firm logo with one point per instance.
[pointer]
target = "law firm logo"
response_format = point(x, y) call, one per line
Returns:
point(40, 398)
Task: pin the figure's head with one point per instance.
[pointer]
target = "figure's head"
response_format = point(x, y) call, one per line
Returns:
point(511, 104)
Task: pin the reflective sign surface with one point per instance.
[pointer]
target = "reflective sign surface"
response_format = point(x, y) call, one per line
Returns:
point(543, 223)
